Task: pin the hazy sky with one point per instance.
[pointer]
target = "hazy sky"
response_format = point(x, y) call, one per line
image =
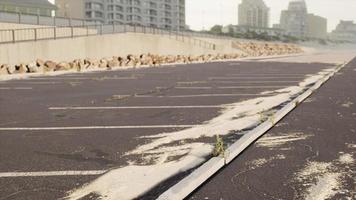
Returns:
point(206, 13)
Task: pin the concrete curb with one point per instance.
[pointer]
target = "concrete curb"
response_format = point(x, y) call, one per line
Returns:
point(186, 186)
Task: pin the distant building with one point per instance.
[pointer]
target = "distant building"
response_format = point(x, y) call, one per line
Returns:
point(345, 31)
point(34, 7)
point(166, 14)
point(316, 26)
point(253, 13)
point(294, 20)
point(246, 29)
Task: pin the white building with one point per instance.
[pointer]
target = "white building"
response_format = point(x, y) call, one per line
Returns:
point(258, 30)
point(345, 31)
point(167, 14)
point(317, 27)
point(253, 13)
point(294, 20)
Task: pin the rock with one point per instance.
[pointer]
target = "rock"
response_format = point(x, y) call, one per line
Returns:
point(62, 66)
point(20, 69)
point(4, 70)
point(91, 63)
point(112, 63)
point(50, 66)
point(103, 63)
point(32, 67)
point(11, 69)
point(82, 65)
point(40, 62)
point(74, 65)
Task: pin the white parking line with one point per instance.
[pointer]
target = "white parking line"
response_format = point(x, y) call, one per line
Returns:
point(266, 74)
point(233, 64)
point(92, 127)
point(40, 82)
point(241, 82)
point(251, 87)
point(199, 95)
point(255, 77)
point(229, 87)
point(86, 78)
point(134, 107)
point(51, 173)
point(15, 88)
point(194, 88)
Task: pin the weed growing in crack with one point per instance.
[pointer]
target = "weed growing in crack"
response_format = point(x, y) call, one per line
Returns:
point(263, 116)
point(219, 149)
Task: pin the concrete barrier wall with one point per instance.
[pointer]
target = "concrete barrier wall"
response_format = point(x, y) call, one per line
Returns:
point(222, 45)
point(6, 26)
point(96, 47)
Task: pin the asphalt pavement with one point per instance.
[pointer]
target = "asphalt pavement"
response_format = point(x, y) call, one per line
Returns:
point(58, 133)
point(308, 155)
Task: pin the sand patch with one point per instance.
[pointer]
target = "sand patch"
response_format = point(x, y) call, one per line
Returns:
point(263, 161)
point(324, 180)
point(347, 104)
point(281, 140)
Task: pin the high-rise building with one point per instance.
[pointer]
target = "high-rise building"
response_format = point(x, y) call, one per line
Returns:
point(167, 14)
point(317, 26)
point(253, 13)
point(297, 22)
point(295, 19)
point(345, 31)
point(33, 7)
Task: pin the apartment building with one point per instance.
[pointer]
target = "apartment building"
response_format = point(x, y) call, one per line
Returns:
point(253, 13)
point(317, 26)
point(294, 20)
point(33, 7)
point(166, 14)
point(299, 23)
point(344, 31)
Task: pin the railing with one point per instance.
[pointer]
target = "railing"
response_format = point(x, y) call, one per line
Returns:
point(53, 33)
point(15, 17)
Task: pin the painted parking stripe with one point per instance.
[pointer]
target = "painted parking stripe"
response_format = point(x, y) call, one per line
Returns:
point(229, 87)
point(85, 78)
point(255, 77)
point(40, 82)
point(134, 107)
point(194, 88)
point(15, 88)
point(241, 82)
point(51, 173)
point(199, 95)
point(266, 74)
point(92, 127)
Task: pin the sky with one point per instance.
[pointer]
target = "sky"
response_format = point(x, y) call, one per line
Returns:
point(203, 14)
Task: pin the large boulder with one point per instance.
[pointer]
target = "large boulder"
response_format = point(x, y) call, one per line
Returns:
point(32, 67)
point(103, 63)
point(62, 66)
point(11, 69)
point(91, 63)
point(4, 70)
point(50, 66)
point(40, 62)
point(20, 69)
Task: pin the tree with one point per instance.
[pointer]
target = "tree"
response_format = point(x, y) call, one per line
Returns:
point(217, 29)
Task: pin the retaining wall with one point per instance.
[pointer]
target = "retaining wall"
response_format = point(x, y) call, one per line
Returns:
point(97, 47)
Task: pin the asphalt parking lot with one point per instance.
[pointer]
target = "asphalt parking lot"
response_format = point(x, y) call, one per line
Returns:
point(58, 133)
point(308, 155)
